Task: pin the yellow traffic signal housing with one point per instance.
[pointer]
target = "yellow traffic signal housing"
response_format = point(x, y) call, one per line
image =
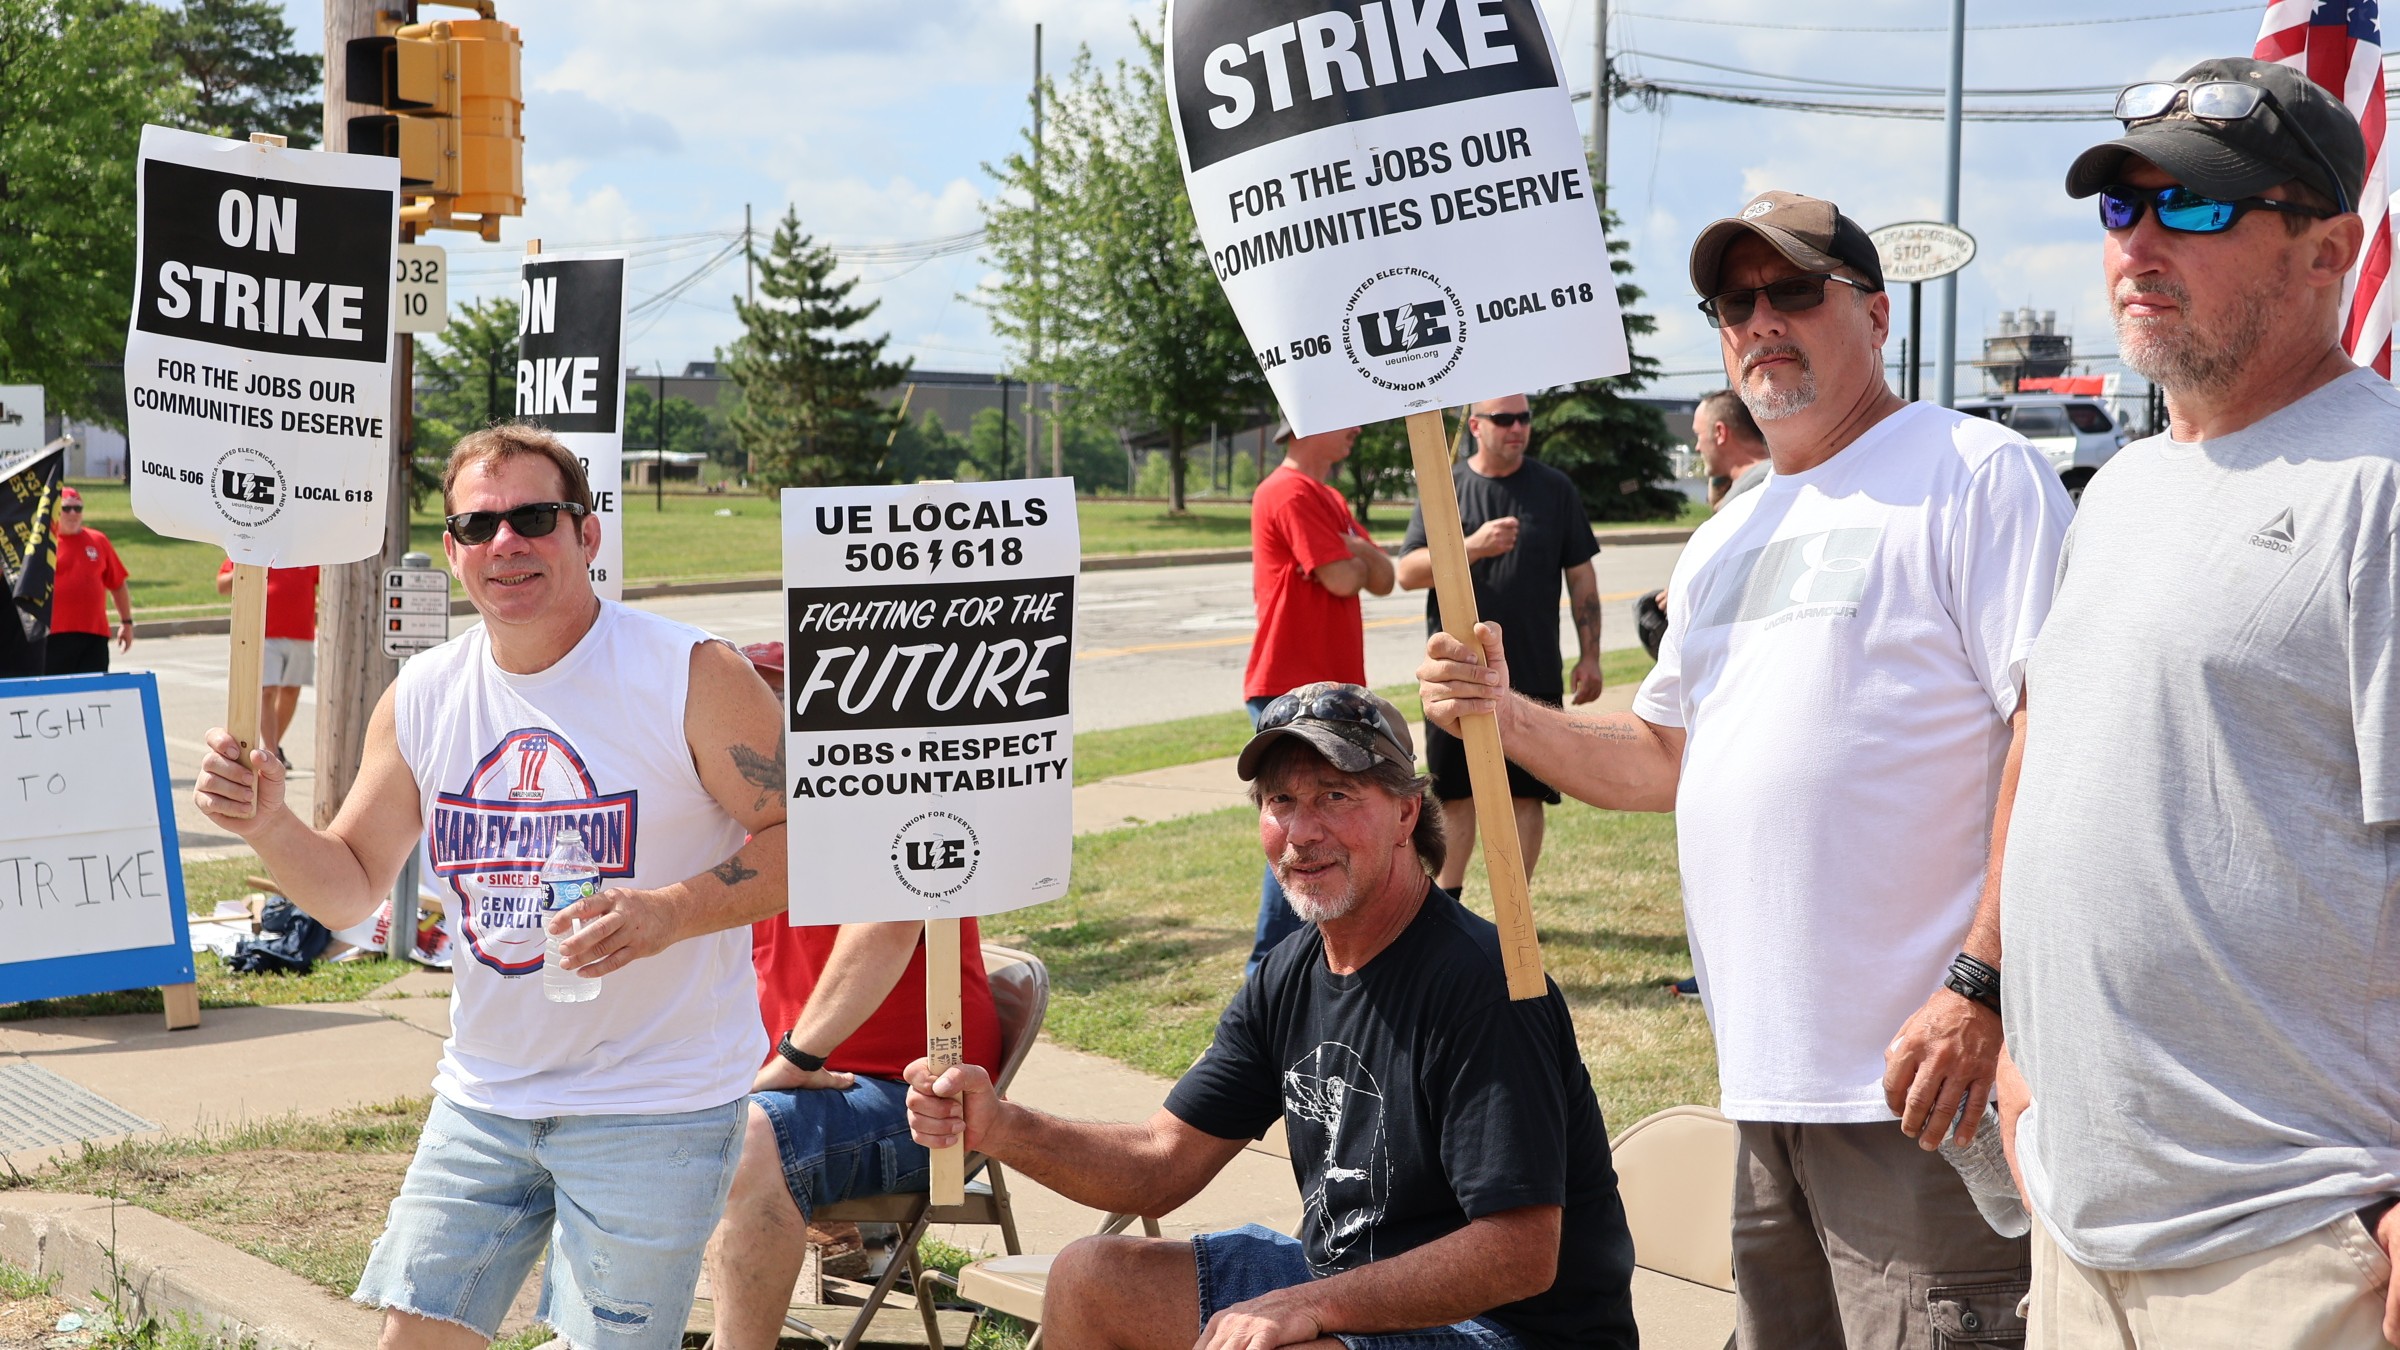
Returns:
point(455, 100)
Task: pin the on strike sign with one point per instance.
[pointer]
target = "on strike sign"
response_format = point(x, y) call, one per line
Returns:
point(929, 634)
point(1393, 194)
point(571, 379)
point(258, 364)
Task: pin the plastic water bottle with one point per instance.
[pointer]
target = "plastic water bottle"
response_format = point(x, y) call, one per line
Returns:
point(568, 876)
point(1983, 1165)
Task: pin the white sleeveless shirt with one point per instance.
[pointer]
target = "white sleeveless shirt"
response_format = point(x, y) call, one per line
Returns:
point(595, 743)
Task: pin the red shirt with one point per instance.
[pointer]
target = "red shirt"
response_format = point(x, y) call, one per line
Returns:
point(88, 570)
point(1305, 632)
point(291, 601)
point(789, 961)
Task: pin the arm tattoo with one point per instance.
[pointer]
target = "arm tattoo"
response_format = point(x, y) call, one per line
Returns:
point(1587, 618)
point(732, 871)
point(760, 772)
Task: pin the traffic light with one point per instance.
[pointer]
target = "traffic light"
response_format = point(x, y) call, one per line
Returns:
point(454, 100)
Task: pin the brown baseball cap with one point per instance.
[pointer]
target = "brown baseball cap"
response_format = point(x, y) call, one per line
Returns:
point(1812, 233)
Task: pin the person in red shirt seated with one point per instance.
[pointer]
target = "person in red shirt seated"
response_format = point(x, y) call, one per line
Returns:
point(843, 1009)
point(88, 570)
point(291, 655)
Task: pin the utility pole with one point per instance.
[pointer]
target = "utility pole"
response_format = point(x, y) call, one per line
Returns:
point(749, 259)
point(352, 670)
point(1600, 84)
point(1945, 374)
point(1040, 283)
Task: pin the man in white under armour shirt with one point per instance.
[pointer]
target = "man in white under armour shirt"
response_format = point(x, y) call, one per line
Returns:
point(1828, 718)
point(606, 1130)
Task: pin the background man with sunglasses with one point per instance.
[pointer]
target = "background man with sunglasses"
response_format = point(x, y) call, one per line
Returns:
point(608, 1129)
point(1449, 1150)
point(1526, 529)
point(88, 570)
point(1828, 718)
point(2197, 888)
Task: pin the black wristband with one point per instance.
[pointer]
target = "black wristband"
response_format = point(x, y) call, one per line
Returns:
point(798, 1058)
point(1975, 980)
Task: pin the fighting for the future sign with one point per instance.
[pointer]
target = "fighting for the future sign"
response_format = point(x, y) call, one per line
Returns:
point(258, 361)
point(1394, 195)
point(929, 635)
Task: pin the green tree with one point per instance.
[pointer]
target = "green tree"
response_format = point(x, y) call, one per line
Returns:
point(684, 428)
point(1615, 449)
point(1103, 285)
point(924, 450)
point(467, 375)
point(811, 416)
point(238, 62)
point(1379, 466)
point(78, 78)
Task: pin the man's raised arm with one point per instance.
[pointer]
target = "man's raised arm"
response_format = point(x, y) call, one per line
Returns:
point(339, 874)
point(735, 729)
point(1149, 1168)
point(1616, 760)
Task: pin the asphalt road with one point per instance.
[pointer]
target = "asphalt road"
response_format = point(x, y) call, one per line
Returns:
point(1151, 645)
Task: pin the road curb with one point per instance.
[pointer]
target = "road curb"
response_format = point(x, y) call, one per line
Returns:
point(170, 1272)
point(1098, 562)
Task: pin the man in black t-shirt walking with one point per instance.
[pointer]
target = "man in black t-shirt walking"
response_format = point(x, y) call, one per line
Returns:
point(1526, 532)
point(1448, 1148)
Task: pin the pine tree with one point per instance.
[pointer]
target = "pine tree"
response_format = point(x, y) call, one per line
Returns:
point(810, 416)
point(238, 60)
point(1615, 449)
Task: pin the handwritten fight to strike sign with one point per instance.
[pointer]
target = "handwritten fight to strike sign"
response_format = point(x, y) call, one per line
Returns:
point(929, 639)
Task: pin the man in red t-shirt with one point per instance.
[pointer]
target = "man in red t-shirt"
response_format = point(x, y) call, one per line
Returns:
point(1309, 559)
point(88, 570)
point(290, 660)
point(843, 1009)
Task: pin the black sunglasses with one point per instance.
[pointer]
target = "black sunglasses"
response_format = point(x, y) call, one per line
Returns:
point(1507, 419)
point(1789, 296)
point(1336, 708)
point(2187, 212)
point(530, 521)
point(2220, 101)
point(72, 510)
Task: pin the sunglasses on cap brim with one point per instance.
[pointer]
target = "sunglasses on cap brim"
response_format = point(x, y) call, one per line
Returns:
point(2220, 101)
point(530, 521)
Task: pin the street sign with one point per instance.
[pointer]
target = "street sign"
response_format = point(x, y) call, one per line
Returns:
point(416, 610)
point(21, 418)
point(421, 304)
point(1918, 251)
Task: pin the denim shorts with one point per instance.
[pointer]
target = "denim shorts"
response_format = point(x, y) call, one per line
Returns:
point(1246, 1262)
point(624, 1203)
point(839, 1144)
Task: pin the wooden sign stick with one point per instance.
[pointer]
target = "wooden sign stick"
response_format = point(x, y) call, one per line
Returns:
point(1487, 767)
point(945, 1045)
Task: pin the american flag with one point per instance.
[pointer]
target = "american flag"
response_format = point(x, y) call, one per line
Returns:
point(2338, 43)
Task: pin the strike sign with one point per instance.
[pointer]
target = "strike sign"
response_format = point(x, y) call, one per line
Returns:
point(1393, 194)
point(929, 631)
point(571, 379)
point(258, 363)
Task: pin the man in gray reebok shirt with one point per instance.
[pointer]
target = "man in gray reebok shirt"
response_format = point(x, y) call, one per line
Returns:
point(2202, 974)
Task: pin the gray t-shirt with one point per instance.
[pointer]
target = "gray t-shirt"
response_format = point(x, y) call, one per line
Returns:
point(2202, 949)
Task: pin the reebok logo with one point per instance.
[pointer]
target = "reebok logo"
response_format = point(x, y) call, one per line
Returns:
point(2276, 534)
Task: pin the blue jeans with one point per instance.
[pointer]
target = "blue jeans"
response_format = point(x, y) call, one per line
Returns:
point(836, 1145)
point(1247, 1262)
point(1276, 921)
point(625, 1204)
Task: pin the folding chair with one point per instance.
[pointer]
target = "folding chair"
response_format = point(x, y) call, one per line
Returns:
point(1015, 1284)
point(1021, 996)
point(1675, 1173)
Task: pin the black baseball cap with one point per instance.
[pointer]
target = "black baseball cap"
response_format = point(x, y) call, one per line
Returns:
point(2243, 156)
point(1812, 233)
point(1348, 725)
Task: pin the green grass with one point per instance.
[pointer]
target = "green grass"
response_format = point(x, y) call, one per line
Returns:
point(1159, 745)
point(1150, 943)
point(307, 1194)
point(15, 1283)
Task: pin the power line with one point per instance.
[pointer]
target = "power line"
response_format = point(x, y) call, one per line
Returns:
point(2055, 91)
point(1934, 28)
point(1653, 92)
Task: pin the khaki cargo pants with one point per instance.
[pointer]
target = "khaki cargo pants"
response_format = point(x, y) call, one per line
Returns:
point(2320, 1291)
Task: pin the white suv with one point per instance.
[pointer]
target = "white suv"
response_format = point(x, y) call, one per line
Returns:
point(2075, 434)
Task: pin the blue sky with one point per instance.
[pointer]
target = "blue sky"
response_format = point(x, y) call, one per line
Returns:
point(647, 122)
